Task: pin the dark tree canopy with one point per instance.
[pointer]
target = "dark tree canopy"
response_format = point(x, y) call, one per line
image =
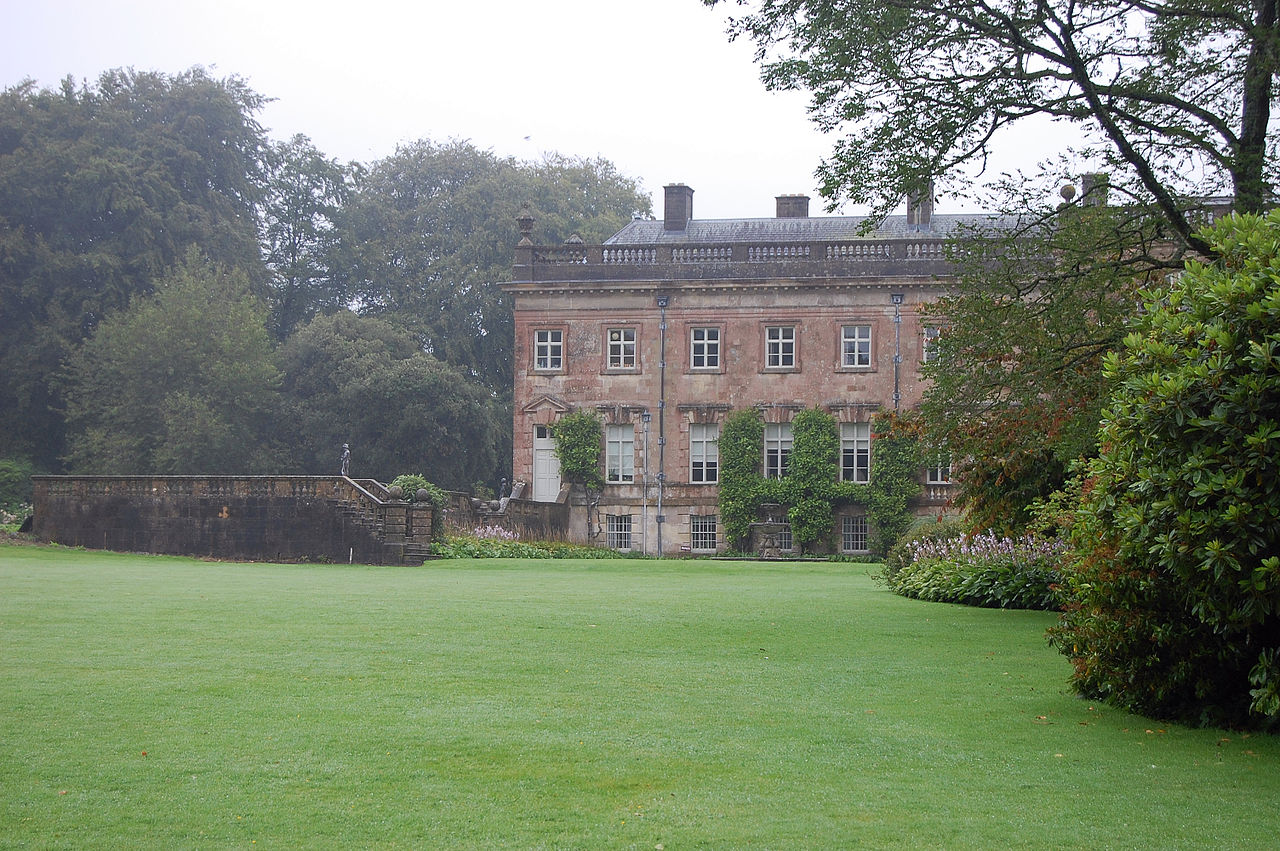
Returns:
point(1174, 96)
point(106, 187)
point(432, 231)
point(305, 193)
point(363, 381)
point(181, 381)
point(102, 189)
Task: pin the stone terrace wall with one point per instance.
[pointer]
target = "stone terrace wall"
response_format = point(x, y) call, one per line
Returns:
point(533, 521)
point(252, 518)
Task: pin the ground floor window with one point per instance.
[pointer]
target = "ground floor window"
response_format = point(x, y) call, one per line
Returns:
point(853, 534)
point(784, 539)
point(618, 531)
point(702, 532)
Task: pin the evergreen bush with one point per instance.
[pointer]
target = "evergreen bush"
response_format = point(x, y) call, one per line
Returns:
point(1174, 604)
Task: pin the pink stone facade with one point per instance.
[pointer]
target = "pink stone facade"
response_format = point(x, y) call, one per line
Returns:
point(684, 328)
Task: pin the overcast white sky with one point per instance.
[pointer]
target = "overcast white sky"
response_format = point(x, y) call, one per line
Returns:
point(653, 85)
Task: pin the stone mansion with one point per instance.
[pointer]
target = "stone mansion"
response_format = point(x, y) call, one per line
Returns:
point(671, 324)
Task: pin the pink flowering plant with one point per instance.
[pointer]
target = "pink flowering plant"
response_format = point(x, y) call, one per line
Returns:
point(494, 533)
point(982, 570)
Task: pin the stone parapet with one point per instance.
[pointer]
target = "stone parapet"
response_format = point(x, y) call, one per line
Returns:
point(835, 260)
point(251, 518)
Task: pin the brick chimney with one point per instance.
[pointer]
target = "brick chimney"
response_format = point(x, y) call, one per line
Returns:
point(793, 206)
point(678, 207)
point(920, 208)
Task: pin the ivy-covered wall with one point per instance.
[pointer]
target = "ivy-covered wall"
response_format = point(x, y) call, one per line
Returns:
point(811, 490)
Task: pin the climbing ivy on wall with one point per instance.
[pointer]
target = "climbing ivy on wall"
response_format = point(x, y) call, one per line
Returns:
point(811, 490)
point(809, 487)
point(741, 450)
point(896, 458)
point(578, 437)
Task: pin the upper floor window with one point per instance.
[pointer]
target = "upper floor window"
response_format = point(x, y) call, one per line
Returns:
point(780, 346)
point(620, 453)
point(777, 449)
point(929, 345)
point(855, 452)
point(704, 453)
point(704, 348)
point(548, 349)
point(855, 345)
point(622, 348)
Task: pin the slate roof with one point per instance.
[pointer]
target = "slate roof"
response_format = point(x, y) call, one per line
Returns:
point(813, 229)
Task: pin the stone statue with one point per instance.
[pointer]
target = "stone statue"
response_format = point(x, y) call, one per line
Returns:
point(346, 458)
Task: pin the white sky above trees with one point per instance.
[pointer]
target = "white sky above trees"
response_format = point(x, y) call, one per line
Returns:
point(654, 86)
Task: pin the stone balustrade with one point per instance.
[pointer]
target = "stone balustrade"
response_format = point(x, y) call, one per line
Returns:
point(852, 259)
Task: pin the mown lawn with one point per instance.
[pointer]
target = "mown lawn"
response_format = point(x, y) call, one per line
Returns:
point(161, 702)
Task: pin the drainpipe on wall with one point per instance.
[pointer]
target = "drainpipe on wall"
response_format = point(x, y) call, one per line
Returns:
point(663, 301)
point(644, 490)
point(896, 298)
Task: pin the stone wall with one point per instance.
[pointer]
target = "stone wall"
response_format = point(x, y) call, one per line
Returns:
point(249, 518)
point(533, 521)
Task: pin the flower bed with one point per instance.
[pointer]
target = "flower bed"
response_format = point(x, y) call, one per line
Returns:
point(983, 570)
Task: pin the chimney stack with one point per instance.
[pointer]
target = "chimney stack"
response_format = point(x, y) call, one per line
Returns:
point(793, 206)
point(920, 208)
point(678, 207)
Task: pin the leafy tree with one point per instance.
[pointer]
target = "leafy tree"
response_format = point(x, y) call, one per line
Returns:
point(303, 199)
point(15, 481)
point(1175, 604)
point(578, 438)
point(1033, 308)
point(182, 381)
point(1172, 102)
point(359, 380)
point(102, 190)
point(432, 230)
point(1173, 96)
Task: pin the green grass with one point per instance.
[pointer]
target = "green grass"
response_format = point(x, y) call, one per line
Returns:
point(570, 704)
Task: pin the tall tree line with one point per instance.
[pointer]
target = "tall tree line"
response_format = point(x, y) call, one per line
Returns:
point(179, 293)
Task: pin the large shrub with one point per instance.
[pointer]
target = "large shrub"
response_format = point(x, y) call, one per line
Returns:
point(15, 481)
point(1174, 606)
